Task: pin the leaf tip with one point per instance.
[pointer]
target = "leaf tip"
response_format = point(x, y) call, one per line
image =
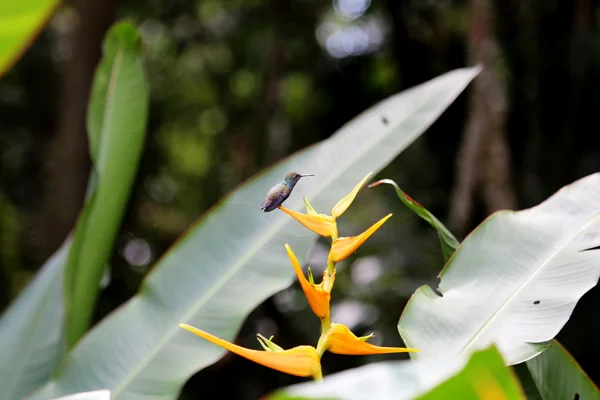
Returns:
point(123, 33)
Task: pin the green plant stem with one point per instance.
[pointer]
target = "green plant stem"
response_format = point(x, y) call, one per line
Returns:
point(330, 267)
point(318, 375)
point(322, 344)
point(325, 324)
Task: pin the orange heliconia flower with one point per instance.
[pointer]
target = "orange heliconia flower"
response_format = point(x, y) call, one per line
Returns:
point(344, 246)
point(318, 296)
point(299, 361)
point(340, 340)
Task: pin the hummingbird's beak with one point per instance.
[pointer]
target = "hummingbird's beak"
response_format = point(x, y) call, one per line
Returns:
point(306, 175)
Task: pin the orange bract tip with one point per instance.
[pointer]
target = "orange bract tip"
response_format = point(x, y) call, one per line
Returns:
point(343, 247)
point(299, 361)
point(341, 340)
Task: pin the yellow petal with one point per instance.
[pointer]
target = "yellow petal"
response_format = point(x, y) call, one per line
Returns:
point(318, 299)
point(341, 341)
point(343, 247)
point(299, 361)
point(309, 209)
point(344, 203)
point(322, 224)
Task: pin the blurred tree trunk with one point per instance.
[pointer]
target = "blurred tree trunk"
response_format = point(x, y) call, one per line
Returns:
point(578, 64)
point(68, 160)
point(483, 163)
point(521, 25)
point(278, 138)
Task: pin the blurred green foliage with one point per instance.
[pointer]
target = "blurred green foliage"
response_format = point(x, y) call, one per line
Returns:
point(19, 22)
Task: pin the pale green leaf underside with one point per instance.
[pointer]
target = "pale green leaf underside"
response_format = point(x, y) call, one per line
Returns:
point(31, 331)
point(234, 258)
point(93, 395)
point(514, 281)
point(407, 380)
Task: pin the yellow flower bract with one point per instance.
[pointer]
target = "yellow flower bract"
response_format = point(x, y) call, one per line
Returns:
point(299, 361)
point(343, 247)
point(317, 295)
point(344, 203)
point(340, 340)
point(322, 224)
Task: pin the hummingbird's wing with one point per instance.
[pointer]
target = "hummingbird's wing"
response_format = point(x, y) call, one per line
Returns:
point(283, 196)
point(275, 196)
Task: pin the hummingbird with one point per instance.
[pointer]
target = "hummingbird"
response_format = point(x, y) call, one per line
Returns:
point(280, 192)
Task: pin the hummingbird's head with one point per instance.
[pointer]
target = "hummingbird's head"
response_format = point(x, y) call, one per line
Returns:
point(293, 177)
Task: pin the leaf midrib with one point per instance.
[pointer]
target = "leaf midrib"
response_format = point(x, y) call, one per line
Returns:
point(520, 288)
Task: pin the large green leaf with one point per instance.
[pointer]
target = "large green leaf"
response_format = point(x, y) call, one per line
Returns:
point(234, 258)
point(117, 125)
point(31, 331)
point(557, 376)
point(20, 21)
point(513, 281)
point(443, 378)
point(527, 383)
point(447, 240)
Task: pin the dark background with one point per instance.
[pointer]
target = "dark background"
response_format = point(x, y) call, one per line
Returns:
point(239, 84)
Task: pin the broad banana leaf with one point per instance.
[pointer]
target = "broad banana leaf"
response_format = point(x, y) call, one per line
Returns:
point(513, 281)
